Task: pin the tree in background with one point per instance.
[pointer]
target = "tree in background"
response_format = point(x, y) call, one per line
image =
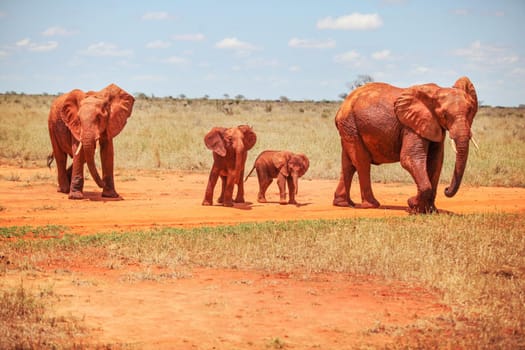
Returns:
point(361, 80)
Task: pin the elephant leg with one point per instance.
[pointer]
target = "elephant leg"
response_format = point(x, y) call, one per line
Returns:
point(264, 183)
point(212, 181)
point(228, 183)
point(77, 177)
point(291, 190)
point(106, 158)
point(63, 174)
point(413, 157)
point(361, 160)
point(281, 182)
point(220, 200)
point(342, 192)
point(69, 173)
point(240, 188)
point(434, 164)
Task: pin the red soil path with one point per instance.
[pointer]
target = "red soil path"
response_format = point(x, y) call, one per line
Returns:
point(223, 309)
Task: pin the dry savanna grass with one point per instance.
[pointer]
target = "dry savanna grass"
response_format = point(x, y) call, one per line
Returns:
point(168, 133)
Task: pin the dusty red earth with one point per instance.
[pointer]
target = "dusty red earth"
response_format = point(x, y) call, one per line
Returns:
point(223, 309)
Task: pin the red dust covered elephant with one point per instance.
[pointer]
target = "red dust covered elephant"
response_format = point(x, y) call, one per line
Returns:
point(379, 123)
point(77, 121)
point(230, 148)
point(286, 166)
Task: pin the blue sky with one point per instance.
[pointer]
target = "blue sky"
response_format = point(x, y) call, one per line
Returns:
point(262, 49)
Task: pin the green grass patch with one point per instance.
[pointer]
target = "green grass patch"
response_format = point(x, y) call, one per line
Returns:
point(35, 232)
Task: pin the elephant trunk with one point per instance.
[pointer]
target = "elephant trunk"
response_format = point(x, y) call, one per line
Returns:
point(295, 178)
point(89, 145)
point(240, 160)
point(462, 146)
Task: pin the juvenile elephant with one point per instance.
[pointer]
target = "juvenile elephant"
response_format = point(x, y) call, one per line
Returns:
point(77, 121)
point(286, 166)
point(230, 148)
point(379, 123)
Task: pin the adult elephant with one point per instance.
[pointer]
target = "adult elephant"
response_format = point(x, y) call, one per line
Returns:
point(286, 166)
point(77, 121)
point(379, 123)
point(230, 148)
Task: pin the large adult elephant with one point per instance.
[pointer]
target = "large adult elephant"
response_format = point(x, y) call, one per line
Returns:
point(77, 121)
point(379, 123)
point(230, 148)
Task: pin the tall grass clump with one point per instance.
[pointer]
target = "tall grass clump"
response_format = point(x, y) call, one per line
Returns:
point(25, 322)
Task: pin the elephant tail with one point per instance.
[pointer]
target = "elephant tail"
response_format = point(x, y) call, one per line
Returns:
point(50, 158)
point(247, 176)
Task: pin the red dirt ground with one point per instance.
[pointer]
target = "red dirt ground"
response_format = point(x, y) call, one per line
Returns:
point(223, 309)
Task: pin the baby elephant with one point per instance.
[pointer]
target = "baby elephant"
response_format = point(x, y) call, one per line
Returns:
point(283, 165)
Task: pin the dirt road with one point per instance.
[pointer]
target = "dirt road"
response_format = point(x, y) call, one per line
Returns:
point(174, 199)
point(222, 309)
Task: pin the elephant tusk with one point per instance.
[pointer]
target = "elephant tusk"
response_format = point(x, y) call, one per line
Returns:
point(474, 142)
point(78, 148)
point(453, 144)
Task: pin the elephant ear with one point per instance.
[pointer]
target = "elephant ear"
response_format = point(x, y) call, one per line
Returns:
point(120, 108)
point(249, 136)
point(466, 85)
point(306, 162)
point(413, 109)
point(215, 142)
point(69, 111)
point(280, 161)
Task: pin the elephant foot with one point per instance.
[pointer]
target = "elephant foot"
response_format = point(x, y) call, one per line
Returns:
point(63, 189)
point(292, 201)
point(370, 204)
point(110, 194)
point(417, 206)
point(283, 202)
point(239, 200)
point(76, 195)
point(262, 200)
point(207, 202)
point(228, 204)
point(339, 202)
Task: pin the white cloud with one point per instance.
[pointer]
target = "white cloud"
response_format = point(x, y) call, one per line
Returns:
point(189, 37)
point(381, 55)
point(311, 44)
point(479, 53)
point(176, 60)
point(57, 31)
point(354, 21)
point(26, 43)
point(420, 70)
point(106, 49)
point(235, 44)
point(158, 44)
point(294, 68)
point(347, 57)
point(155, 16)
